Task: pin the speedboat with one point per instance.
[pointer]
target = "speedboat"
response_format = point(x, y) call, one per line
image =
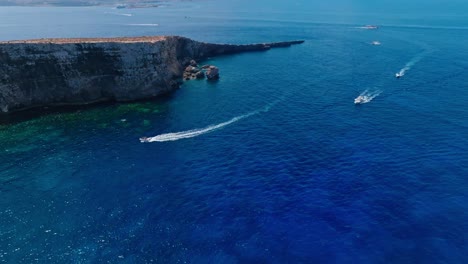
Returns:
point(371, 27)
point(375, 43)
point(144, 139)
point(359, 100)
point(398, 75)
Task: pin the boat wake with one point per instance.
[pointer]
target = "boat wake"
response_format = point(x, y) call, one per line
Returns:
point(366, 96)
point(410, 64)
point(200, 131)
point(118, 14)
point(367, 27)
point(143, 25)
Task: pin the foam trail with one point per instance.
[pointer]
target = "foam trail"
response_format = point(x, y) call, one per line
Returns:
point(366, 96)
point(144, 25)
point(200, 131)
point(411, 63)
point(118, 14)
point(365, 27)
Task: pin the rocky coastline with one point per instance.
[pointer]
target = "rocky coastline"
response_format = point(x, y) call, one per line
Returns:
point(49, 72)
point(194, 71)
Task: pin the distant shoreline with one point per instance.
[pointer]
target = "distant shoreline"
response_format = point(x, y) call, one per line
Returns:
point(80, 3)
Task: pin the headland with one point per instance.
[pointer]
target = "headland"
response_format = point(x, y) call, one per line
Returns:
point(75, 71)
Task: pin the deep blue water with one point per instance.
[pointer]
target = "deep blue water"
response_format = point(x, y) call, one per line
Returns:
point(301, 176)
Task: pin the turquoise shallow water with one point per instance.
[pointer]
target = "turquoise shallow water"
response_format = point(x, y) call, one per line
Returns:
point(301, 174)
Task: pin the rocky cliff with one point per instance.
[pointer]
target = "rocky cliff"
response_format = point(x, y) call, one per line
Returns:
point(80, 71)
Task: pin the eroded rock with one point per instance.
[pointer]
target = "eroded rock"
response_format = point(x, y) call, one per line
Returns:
point(47, 72)
point(212, 73)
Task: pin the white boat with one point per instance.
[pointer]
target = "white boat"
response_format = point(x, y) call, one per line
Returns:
point(376, 43)
point(398, 75)
point(371, 27)
point(359, 100)
point(144, 140)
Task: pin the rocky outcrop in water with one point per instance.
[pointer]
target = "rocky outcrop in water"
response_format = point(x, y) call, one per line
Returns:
point(212, 73)
point(192, 71)
point(81, 71)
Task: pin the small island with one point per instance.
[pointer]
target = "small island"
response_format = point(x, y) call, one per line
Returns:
point(76, 71)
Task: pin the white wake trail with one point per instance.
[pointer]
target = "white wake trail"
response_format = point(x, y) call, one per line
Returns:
point(143, 25)
point(200, 131)
point(411, 63)
point(366, 96)
point(118, 14)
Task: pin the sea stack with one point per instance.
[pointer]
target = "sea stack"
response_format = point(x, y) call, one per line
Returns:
point(212, 73)
point(47, 72)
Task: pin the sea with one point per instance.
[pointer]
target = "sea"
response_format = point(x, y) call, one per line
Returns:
point(272, 163)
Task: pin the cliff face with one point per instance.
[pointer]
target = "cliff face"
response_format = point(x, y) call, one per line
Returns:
point(80, 71)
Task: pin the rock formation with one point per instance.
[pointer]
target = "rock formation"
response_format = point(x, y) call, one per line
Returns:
point(192, 71)
point(212, 73)
point(80, 71)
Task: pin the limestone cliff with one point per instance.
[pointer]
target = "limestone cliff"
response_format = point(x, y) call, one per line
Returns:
point(81, 71)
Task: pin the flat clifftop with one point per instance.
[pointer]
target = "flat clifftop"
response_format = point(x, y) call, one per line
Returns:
point(142, 39)
point(148, 39)
point(62, 71)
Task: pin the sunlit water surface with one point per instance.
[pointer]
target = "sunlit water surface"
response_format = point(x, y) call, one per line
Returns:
point(283, 166)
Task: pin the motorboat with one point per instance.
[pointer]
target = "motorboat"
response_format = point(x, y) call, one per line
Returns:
point(144, 139)
point(398, 75)
point(376, 43)
point(360, 100)
point(371, 27)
